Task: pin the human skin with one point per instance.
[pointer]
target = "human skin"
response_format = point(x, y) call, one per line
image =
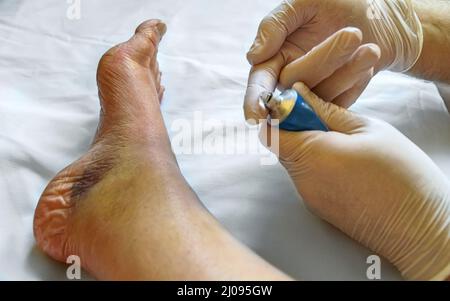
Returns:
point(284, 51)
point(434, 62)
point(124, 207)
point(370, 181)
point(320, 19)
point(436, 27)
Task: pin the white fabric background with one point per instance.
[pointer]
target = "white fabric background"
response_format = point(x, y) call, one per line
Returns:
point(49, 108)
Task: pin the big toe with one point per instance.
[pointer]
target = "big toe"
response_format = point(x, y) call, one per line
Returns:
point(151, 27)
point(146, 40)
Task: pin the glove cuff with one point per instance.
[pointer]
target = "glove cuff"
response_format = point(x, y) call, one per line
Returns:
point(398, 31)
point(414, 236)
point(422, 251)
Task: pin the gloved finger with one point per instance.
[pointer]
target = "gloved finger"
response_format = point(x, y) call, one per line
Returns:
point(336, 118)
point(323, 60)
point(343, 79)
point(264, 78)
point(350, 96)
point(276, 27)
point(288, 146)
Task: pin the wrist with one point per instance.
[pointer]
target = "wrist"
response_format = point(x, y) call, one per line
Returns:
point(396, 28)
point(433, 63)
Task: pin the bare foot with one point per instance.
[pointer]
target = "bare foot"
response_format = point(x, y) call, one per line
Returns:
point(75, 212)
point(124, 208)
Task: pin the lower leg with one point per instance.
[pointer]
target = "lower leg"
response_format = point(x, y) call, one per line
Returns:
point(124, 208)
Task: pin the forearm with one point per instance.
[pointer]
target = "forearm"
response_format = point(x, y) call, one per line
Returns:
point(434, 61)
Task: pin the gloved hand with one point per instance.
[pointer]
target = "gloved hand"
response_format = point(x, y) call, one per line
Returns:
point(374, 184)
point(291, 45)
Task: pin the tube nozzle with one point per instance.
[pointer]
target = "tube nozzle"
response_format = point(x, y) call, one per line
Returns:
point(265, 97)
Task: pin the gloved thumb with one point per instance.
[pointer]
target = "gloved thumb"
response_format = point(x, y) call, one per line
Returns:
point(336, 118)
point(289, 145)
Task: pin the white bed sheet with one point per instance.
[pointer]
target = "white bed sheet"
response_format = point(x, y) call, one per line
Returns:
point(49, 111)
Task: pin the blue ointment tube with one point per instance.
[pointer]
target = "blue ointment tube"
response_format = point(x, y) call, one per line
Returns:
point(292, 112)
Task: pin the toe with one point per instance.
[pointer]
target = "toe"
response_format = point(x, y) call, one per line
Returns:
point(158, 79)
point(148, 35)
point(161, 91)
point(154, 67)
point(143, 46)
point(150, 27)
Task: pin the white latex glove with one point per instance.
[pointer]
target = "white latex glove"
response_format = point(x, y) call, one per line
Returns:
point(374, 184)
point(291, 45)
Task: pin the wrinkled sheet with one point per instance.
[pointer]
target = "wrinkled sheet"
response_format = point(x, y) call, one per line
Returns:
point(49, 112)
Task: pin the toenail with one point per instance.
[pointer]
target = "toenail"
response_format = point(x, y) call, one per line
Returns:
point(162, 28)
